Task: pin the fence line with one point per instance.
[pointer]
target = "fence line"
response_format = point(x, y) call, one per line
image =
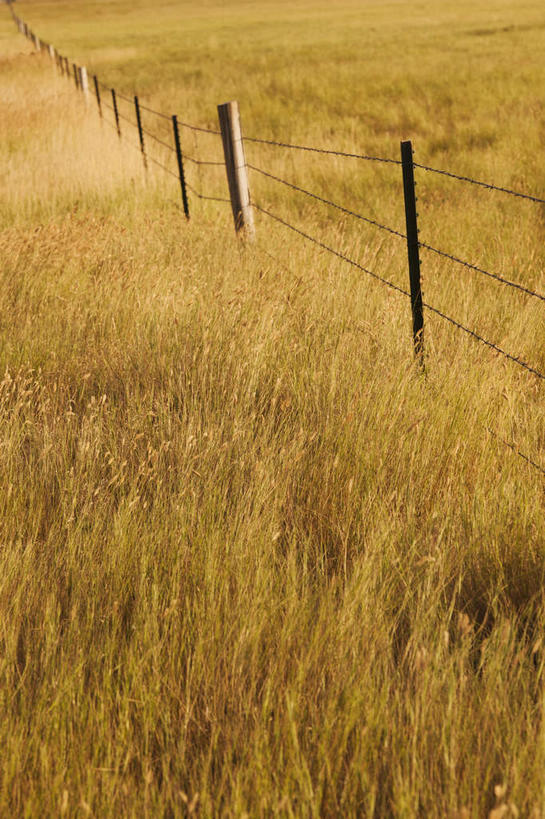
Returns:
point(486, 185)
point(407, 162)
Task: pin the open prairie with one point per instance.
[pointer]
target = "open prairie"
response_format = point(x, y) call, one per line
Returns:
point(252, 561)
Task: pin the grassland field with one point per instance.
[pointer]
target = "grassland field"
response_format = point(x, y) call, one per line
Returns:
point(252, 562)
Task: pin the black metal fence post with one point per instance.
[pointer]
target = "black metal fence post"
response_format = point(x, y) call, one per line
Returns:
point(140, 131)
point(413, 249)
point(180, 164)
point(116, 112)
point(97, 94)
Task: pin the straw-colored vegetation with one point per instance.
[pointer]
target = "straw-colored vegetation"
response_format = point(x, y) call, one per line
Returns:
point(252, 562)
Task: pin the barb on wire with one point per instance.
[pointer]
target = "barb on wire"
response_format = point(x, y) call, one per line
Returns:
point(160, 141)
point(486, 185)
point(398, 289)
point(323, 151)
point(495, 276)
point(328, 202)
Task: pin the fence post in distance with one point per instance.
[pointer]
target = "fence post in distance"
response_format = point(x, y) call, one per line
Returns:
point(84, 82)
point(235, 165)
point(76, 74)
point(97, 94)
point(140, 131)
point(180, 164)
point(51, 50)
point(116, 113)
point(413, 250)
point(36, 42)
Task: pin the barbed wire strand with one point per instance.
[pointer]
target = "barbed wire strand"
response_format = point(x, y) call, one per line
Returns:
point(160, 164)
point(515, 449)
point(201, 161)
point(327, 202)
point(322, 151)
point(358, 329)
point(124, 98)
point(495, 276)
point(125, 138)
point(486, 185)
point(398, 289)
point(198, 128)
point(209, 198)
point(160, 141)
point(152, 111)
point(127, 120)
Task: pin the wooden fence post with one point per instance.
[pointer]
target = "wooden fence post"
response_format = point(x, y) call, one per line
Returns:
point(51, 50)
point(235, 165)
point(413, 249)
point(76, 74)
point(84, 82)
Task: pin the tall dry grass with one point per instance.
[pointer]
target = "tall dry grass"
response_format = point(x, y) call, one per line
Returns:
point(252, 562)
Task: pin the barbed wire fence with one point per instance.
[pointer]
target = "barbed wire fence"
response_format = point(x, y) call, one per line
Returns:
point(244, 206)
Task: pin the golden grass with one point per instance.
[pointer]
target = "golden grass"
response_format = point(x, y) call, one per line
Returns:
point(252, 562)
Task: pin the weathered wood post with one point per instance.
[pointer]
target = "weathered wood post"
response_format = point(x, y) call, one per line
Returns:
point(413, 250)
point(235, 165)
point(37, 44)
point(51, 50)
point(84, 82)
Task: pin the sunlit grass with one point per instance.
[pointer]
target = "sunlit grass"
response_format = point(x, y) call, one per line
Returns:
point(253, 563)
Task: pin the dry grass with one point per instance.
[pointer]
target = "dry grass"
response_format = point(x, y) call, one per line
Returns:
point(252, 562)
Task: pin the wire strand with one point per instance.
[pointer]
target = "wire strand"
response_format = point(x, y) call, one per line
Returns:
point(516, 450)
point(124, 98)
point(209, 198)
point(198, 128)
point(495, 276)
point(201, 161)
point(398, 289)
point(127, 120)
point(486, 185)
point(160, 141)
point(152, 111)
point(322, 151)
point(328, 202)
point(160, 165)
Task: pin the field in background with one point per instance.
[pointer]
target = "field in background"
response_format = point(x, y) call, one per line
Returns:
point(252, 563)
